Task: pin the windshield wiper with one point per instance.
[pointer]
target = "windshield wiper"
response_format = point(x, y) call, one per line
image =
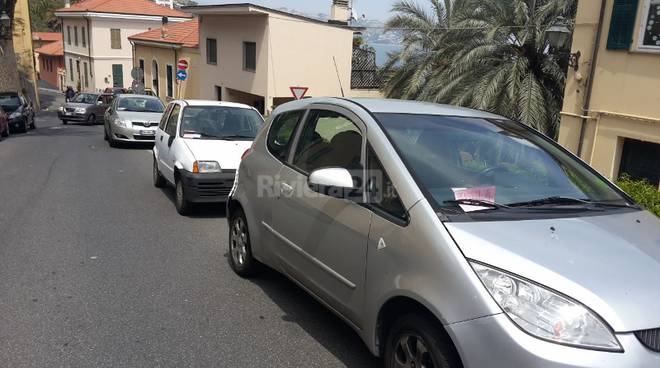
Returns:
point(477, 202)
point(549, 201)
point(236, 136)
point(558, 200)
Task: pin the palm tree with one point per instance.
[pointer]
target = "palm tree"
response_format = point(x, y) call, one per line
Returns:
point(490, 54)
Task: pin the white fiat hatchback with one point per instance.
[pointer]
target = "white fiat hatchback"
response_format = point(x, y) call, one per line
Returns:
point(199, 146)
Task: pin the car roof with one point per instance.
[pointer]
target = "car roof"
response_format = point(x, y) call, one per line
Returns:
point(126, 95)
point(215, 103)
point(391, 106)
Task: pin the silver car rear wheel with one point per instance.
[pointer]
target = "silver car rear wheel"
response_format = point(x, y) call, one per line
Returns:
point(411, 352)
point(238, 245)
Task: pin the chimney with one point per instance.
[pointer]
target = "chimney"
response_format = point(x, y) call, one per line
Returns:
point(163, 29)
point(67, 3)
point(340, 12)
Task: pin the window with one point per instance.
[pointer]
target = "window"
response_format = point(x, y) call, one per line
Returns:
point(154, 77)
point(85, 68)
point(117, 75)
point(163, 119)
point(68, 35)
point(250, 56)
point(639, 160)
point(142, 68)
point(75, 35)
point(329, 140)
point(281, 132)
point(172, 122)
point(650, 36)
point(170, 81)
point(84, 37)
point(216, 122)
point(115, 39)
point(382, 194)
point(622, 24)
point(71, 69)
point(211, 51)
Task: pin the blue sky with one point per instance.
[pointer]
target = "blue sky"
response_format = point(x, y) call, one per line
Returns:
point(372, 9)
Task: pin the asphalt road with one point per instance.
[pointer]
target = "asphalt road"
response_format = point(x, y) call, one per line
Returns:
point(98, 270)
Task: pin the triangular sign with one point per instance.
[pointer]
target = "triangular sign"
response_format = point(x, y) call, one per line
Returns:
point(299, 92)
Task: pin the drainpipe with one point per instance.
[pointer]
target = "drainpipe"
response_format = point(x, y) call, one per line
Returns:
point(590, 81)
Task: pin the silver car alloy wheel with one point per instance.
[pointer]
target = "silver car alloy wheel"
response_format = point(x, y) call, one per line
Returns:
point(238, 242)
point(411, 352)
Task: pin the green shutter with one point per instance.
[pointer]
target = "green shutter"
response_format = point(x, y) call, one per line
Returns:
point(622, 24)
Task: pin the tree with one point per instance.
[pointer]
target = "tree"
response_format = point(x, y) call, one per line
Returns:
point(42, 13)
point(8, 66)
point(486, 54)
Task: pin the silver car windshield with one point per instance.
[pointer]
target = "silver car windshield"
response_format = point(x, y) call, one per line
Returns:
point(140, 104)
point(492, 161)
point(220, 122)
point(85, 98)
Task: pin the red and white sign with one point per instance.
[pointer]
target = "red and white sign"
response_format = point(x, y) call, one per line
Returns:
point(183, 64)
point(299, 92)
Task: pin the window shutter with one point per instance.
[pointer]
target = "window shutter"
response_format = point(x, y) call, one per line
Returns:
point(622, 24)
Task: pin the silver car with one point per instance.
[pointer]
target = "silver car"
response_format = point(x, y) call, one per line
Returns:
point(88, 108)
point(449, 237)
point(133, 118)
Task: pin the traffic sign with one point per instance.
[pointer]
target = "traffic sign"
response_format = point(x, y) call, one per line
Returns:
point(299, 92)
point(183, 64)
point(182, 75)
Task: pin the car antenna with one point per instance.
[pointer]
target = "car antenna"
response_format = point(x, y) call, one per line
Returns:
point(338, 78)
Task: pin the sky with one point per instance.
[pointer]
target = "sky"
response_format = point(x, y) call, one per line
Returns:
point(372, 9)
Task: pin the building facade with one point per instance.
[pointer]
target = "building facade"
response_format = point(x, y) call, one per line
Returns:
point(24, 51)
point(157, 53)
point(254, 55)
point(50, 63)
point(97, 52)
point(611, 113)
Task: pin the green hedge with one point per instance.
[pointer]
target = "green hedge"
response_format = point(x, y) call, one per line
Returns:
point(642, 192)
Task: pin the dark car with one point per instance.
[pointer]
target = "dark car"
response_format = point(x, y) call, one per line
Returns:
point(20, 113)
point(4, 124)
point(86, 108)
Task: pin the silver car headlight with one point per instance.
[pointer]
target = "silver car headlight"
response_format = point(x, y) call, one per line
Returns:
point(15, 115)
point(123, 123)
point(80, 110)
point(61, 108)
point(544, 313)
point(203, 167)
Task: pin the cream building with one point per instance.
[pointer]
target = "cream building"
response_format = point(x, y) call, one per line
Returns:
point(157, 53)
point(254, 55)
point(23, 49)
point(611, 113)
point(97, 53)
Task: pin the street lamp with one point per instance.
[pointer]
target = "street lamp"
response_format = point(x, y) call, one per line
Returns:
point(559, 36)
point(5, 25)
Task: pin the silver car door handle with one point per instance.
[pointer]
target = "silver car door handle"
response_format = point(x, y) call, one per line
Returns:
point(286, 189)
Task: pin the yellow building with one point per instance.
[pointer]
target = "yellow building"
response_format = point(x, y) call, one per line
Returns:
point(157, 53)
point(611, 113)
point(24, 52)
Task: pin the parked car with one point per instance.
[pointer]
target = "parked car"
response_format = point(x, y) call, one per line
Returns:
point(4, 124)
point(199, 146)
point(19, 110)
point(85, 107)
point(132, 118)
point(449, 237)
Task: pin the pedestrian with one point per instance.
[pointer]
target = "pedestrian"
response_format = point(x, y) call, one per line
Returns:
point(70, 93)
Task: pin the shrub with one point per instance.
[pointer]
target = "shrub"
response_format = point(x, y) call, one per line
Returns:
point(642, 192)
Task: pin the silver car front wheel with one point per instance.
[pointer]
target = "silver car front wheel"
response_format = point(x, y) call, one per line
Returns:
point(240, 247)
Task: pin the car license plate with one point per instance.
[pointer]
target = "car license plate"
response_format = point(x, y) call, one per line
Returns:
point(67, 114)
point(147, 132)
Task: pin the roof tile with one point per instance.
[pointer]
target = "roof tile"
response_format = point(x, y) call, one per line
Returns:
point(52, 49)
point(46, 36)
point(135, 7)
point(185, 34)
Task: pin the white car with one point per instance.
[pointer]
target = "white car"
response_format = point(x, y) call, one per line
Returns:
point(198, 148)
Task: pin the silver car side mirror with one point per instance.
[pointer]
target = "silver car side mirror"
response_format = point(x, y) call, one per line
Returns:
point(335, 182)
